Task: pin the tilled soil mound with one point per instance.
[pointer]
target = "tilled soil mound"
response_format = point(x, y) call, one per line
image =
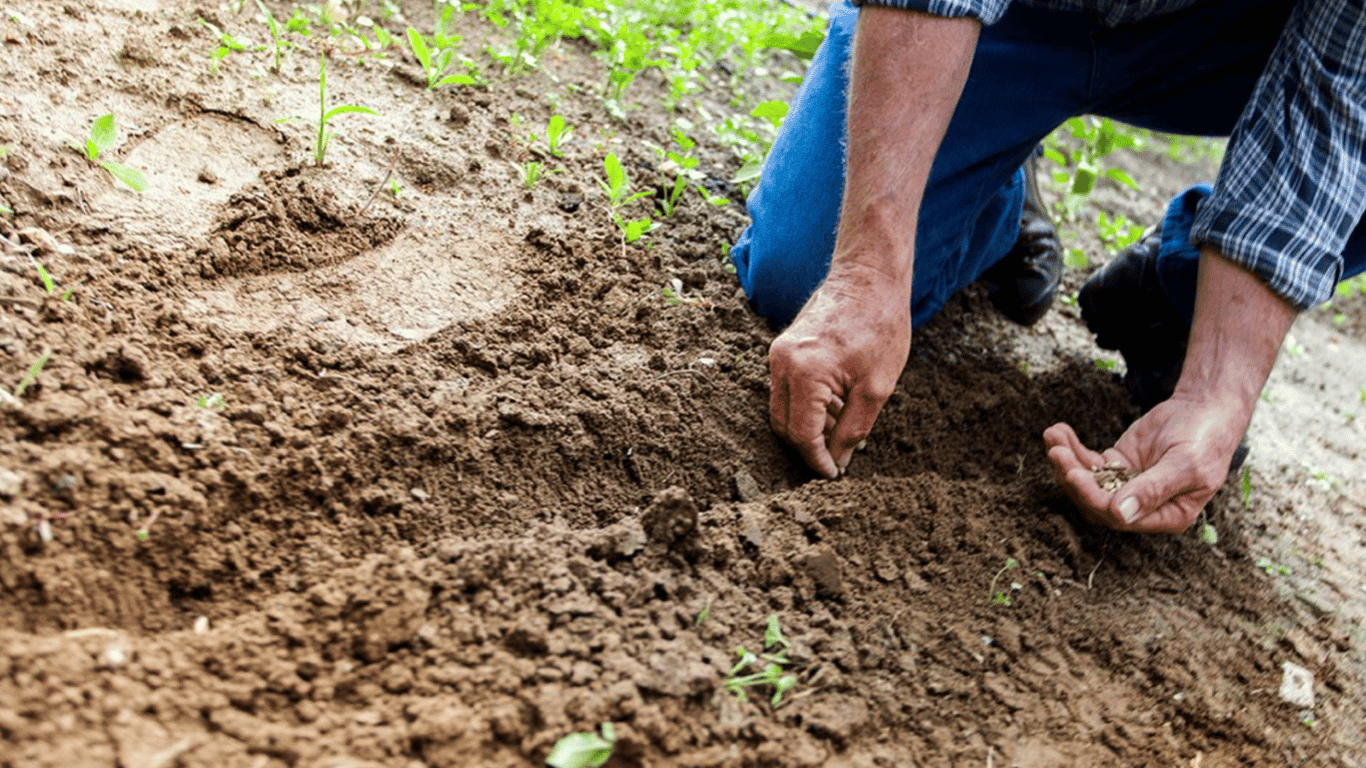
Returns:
point(330, 480)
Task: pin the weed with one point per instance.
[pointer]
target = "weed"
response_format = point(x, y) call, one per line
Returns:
point(325, 115)
point(103, 136)
point(583, 749)
point(770, 672)
point(1002, 597)
point(31, 375)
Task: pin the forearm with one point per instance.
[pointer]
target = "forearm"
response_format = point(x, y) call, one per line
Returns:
point(907, 74)
point(1239, 327)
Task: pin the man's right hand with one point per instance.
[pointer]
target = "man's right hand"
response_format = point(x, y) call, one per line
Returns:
point(836, 365)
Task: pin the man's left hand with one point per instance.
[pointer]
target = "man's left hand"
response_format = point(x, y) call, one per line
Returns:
point(1181, 450)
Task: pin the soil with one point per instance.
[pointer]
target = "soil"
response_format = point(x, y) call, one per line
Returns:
point(470, 482)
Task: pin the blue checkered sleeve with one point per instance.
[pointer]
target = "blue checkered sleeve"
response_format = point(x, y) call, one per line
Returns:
point(1293, 182)
point(985, 11)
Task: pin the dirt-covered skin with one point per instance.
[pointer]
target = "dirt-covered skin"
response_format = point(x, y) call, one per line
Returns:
point(473, 483)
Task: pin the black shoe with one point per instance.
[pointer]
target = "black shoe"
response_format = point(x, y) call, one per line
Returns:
point(1124, 305)
point(1024, 283)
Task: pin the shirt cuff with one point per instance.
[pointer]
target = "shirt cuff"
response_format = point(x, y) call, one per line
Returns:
point(1299, 270)
point(985, 11)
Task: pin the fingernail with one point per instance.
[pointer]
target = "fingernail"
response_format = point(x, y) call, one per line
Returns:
point(862, 445)
point(1128, 509)
point(844, 464)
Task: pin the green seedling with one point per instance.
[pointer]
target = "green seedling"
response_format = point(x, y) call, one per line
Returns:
point(50, 285)
point(1106, 364)
point(618, 191)
point(1002, 597)
point(1271, 568)
point(1117, 232)
point(1069, 299)
point(213, 402)
point(1206, 531)
point(325, 116)
point(772, 111)
point(584, 749)
point(278, 31)
point(557, 134)
point(103, 137)
point(227, 45)
point(1247, 487)
point(1075, 258)
point(703, 614)
point(436, 59)
point(531, 171)
point(31, 375)
point(770, 665)
point(1361, 395)
point(673, 295)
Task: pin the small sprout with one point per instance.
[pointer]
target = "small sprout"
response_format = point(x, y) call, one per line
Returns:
point(1206, 532)
point(704, 614)
point(1106, 364)
point(436, 61)
point(1069, 299)
point(213, 402)
point(1272, 568)
point(583, 749)
point(1247, 487)
point(557, 134)
point(531, 172)
point(1076, 258)
point(31, 375)
point(103, 137)
point(325, 116)
point(773, 634)
point(1003, 597)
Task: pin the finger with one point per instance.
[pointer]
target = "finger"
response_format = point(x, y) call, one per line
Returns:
point(855, 423)
point(807, 414)
point(1062, 434)
point(1080, 485)
point(1160, 487)
point(1173, 517)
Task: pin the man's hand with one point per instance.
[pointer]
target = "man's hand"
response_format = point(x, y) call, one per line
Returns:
point(836, 365)
point(1183, 446)
point(1182, 452)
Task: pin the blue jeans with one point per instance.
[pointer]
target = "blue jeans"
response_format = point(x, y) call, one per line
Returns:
point(1190, 72)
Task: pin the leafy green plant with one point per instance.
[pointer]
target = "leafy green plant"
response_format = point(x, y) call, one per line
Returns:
point(1206, 532)
point(1271, 568)
point(557, 134)
point(227, 45)
point(1083, 144)
point(1002, 597)
point(278, 32)
point(770, 664)
point(325, 115)
point(103, 136)
point(703, 614)
point(583, 749)
point(618, 191)
point(1106, 364)
point(436, 59)
point(531, 171)
point(1117, 232)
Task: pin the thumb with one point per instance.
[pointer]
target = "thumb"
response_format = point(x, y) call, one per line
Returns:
point(1152, 490)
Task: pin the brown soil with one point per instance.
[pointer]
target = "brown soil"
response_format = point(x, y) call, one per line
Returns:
point(473, 479)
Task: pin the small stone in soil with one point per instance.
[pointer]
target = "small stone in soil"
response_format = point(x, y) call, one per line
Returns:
point(1112, 476)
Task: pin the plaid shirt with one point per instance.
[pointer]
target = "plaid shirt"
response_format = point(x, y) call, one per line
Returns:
point(1293, 183)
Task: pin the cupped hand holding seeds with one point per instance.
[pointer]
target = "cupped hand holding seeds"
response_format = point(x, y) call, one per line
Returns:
point(1157, 477)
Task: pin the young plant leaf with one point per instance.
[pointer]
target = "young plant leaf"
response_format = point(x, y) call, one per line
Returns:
point(773, 111)
point(454, 80)
point(420, 50)
point(103, 136)
point(127, 174)
point(347, 108)
point(583, 749)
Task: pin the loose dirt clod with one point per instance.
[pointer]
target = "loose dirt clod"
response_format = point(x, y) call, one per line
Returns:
point(1113, 476)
